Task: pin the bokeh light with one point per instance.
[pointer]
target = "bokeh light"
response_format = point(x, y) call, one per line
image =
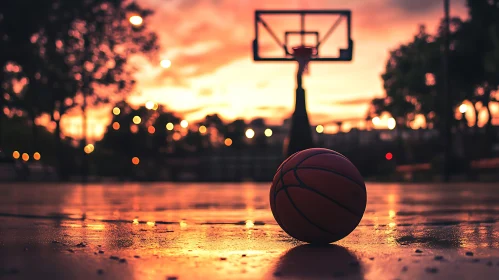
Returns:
point(25, 157)
point(165, 63)
point(184, 123)
point(135, 160)
point(169, 126)
point(176, 136)
point(116, 125)
point(319, 128)
point(376, 120)
point(151, 129)
point(136, 120)
point(134, 128)
point(16, 155)
point(150, 105)
point(389, 156)
point(250, 133)
point(249, 224)
point(37, 156)
point(116, 111)
point(430, 79)
point(391, 123)
point(463, 108)
point(202, 129)
point(136, 20)
point(268, 132)
point(89, 148)
point(228, 142)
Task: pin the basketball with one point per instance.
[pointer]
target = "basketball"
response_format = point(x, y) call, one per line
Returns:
point(318, 196)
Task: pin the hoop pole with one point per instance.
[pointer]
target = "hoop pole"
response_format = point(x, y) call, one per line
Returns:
point(302, 29)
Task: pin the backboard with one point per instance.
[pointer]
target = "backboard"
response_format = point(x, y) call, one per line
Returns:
point(278, 31)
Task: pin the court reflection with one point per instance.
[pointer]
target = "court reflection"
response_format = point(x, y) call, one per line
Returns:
point(318, 262)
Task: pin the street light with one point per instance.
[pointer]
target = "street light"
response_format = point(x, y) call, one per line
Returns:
point(136, 20)
point(150, 105)
point(391, 123)
point(463, 108)
point(250, 133)
point(202, 129)
point(89, 148)
point(135, 160)
point(165, 63)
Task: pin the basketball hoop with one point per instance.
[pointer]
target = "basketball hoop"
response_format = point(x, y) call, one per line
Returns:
point(303, 54)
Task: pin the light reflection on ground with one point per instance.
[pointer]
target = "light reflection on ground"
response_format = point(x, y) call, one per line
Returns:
point(226, 231)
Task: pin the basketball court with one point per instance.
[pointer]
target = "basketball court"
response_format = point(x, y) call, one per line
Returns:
point(226, 231)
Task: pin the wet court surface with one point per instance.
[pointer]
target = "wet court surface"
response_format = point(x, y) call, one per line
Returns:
point(226, 231)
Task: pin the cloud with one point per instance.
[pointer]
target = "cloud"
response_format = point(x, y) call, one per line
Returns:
point(354, 101)
point(204, 108)
point(205, 92)
point(320, 117)
point(191, 111)
point(416, 7)
point(262, 84)
point(272, 108)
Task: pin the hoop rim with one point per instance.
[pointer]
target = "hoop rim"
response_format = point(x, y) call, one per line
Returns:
point(304, 52)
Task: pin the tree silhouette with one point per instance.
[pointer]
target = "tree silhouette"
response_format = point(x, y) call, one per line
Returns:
point(76, 54)
point(405, 80)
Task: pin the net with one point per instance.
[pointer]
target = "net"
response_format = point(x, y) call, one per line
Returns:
point(303, 54)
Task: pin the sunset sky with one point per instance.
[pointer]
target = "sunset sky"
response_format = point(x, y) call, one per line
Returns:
point(209, 44)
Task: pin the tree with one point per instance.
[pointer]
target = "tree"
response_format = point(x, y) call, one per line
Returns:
point(18, 53)
point(405, 79)
point(85, 49)
point(482, 42)
point(413, 76)
point(236, 131)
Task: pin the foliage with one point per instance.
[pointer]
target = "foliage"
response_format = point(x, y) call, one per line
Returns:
point(413, 77)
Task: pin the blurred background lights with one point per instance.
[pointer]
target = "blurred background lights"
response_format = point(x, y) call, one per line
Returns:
point(150, 105)
point(165, 63)
point(136, 20)
point(89, 148)
point(202, 129)
point(463, 108)
point(135, 160)
point(250, 133)
point(391, 123)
